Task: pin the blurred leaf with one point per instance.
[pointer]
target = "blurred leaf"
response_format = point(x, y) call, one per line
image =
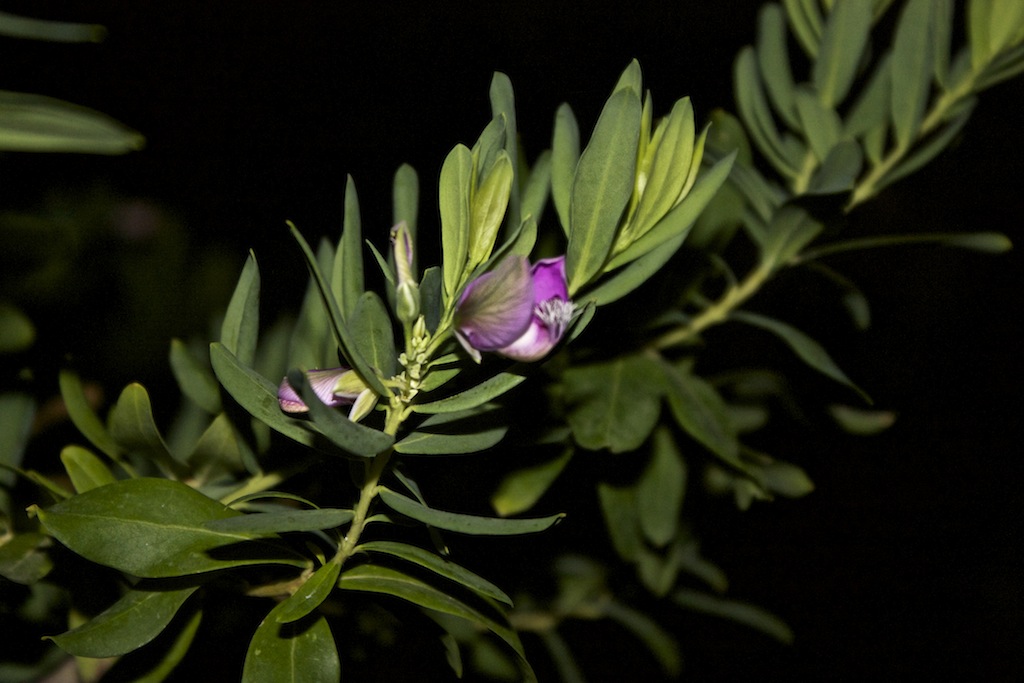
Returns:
point(454, 189)
point(240, 328)
point(439, 565)
point(302, 650)
point(466, 524)
point(17, 332)
point(310, 595)
point(565, 154)
point(809, 351)
point(34, 123)
point(791, 229)
point(785, 479)
point(283, 521)
point(348, 435)
point(24, 558)
point(17, 411)
point(838, 172)
point(663, 646)
point(842, 45)
point(618, 504)
point(660, 489)
point(154, 528)
point(911, 70)
point(159, 663)
point(564, 659)
point(520, 490)
point(773, 61)
point(85, 470)
point(740, 612)
point(131, 622)
point(754, 111)
point(871, 109)
point(373, 335)
point(477, 395)
point(82, 415)
point(700, 411)
point(601, 187)
point(53, 31)
point(862, 422)
point(930, 148)
point(194, 378)
point(821, 124)
point(631, 276)
point(377, 579)
point(614, 404)
point(806, 22)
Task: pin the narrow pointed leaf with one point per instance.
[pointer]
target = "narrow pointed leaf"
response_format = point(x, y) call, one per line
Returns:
point(842, 45)
point(347, 280)
point(660, 489)
point(454, 188)
point(740, 612)
point(466, 524)
point(503, 104)
point(238, 332)
point(82, 415)
point(194, 379)
point(285, 520)
point(565, 154)
point(310, 594)
point(487, 390)
point(701, 412)
point(911, 70)
point(373, 334)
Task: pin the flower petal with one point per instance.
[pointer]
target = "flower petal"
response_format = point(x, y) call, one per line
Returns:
point(549, 280)
point(496, 308)
point(332, 385)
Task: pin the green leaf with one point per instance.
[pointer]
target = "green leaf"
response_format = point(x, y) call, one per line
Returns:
point(773, 61)
point(790, 230)
point(194, 378)
point(131, 622)
point(660, 489)
point(754, 111)
point(862, 422)
point(267, 523)
point(347, 281)
point(806, 22)
point(312, 343)
point(929, 149)
point(17, 411)
point(614, 404)
point(911, 70)
point(465, 524)
point(240, 329)
point(302, 650)
point(373, 334)
point(424, 441)
point(82, 415)
point(700, 411)
point(131, 424)
point(85, 470)
point(17, 332)
point(405, 201)
point(488, 390)
point(740, 612)
point(520, 490)
point(618, 505)
point(160, 657)
point(664, 648)
point(633, 275)
point(490, 201)
point(25, 558)
point(454, 189)
point(376, 579)
point(536, 188)
point(317, 588)
point(842, 46)
point(439, 565)
point(839, 171)
point(871, 109)
point(602, 187)
point(809, 351)
point(220, 449)
point(53, 31)
point(565, 155)
point(503, 105)
point(34, 123)
point(154, 528)
point(341, 431)
point(821, 124)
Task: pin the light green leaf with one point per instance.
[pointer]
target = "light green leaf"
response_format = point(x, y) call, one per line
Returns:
point(439, 565)
point(240, 328)
point(347, 281)
point(85, 470)
point(454, 188)
point(842, 45)
point(317, 588)
point(487, 210)
point(871, 108)
point(740, 612)
point(17, 332)
point(350, 436)
point(373, 334)
point(806, 22)
point(809, 351)
point(520, 490)
point(132, 426)
point(302, 650)
point(670, 161)
point(700, 411)
point(565, 155)
point(466, 524)
point(537, 187)
point(931, 147)
point(286, 520)
point(821, 125)
point(773, 61)
point(660, 489)
point(82, 415)
point(155, 528)
point(478, 395)
point(754, 111)
point(405, 200)
point(131, 622)
point(911, 70)
point(614, 404)
point(602, 187)
point(503, 104)
point(34, 123)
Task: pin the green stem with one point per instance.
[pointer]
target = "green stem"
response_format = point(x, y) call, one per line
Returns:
point(716, 312)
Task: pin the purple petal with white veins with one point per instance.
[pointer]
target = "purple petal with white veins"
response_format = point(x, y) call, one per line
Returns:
point(496, 308)
point(324, 384)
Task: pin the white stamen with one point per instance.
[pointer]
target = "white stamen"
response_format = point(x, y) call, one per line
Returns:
point(555, 313)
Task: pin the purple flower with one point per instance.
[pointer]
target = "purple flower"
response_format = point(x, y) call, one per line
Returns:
point(334, 386)
point(516, 310)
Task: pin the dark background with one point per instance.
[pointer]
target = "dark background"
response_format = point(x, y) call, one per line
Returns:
point(904, 562)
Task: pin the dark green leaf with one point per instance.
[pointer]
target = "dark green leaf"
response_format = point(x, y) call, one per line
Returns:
point(753, 109)
point(618, 504)
point(520, 490)
point(239, 331)
point(131, 424)
point(17, 332)
point(466, 524)
point(85, 470)
point(347, 275)
point(701, 412)
point(194, 378)
point(405, 201)
point(154, 528)
point(821, 125)
point(602, 187)
point(128, 624)
point(310, 594)
point(773, 60)
point(438, 565)
point(740, 612)
point(614, 404)
point(478, 395)
point(372, 332)
point(297, 651)
point(82, 415)
point(658, 641)
point(565, 154)
point(24, 558)
point(341, 431)
point(267, 523)
point(659, 492)
point(17, 412)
